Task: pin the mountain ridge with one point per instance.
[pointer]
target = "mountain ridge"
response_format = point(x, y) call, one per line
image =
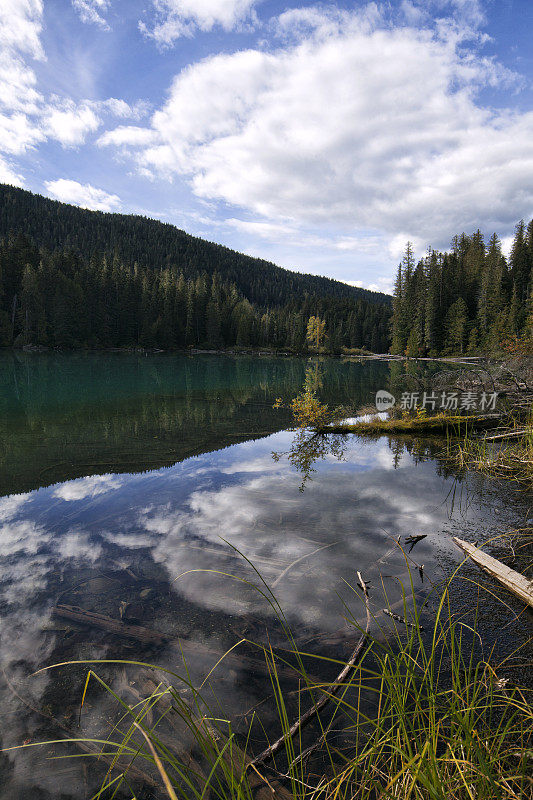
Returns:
point(156, 244)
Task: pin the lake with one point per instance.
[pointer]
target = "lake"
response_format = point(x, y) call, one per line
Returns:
point(147, 488)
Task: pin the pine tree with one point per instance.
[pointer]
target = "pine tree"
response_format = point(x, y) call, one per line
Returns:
point(212, 325)
point(491, 290)
point(520, 261)
point(455, 324)
point(433, 321)
point(189, 324)
point(412, 349)
point(399, 333)
point(515, 315)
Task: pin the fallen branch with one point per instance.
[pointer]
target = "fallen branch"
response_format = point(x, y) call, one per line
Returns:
point(398, 618)
point(329, 691)
point(516, 583)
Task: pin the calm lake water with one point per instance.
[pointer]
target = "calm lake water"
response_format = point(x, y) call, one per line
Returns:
point(135, 485)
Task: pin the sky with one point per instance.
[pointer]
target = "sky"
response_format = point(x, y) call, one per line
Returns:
point(320, 136)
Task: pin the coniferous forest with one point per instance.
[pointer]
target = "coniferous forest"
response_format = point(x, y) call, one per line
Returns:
point(76, 278)
point(468, 300)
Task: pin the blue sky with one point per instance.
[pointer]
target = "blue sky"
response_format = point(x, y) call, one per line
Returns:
point(321, 136)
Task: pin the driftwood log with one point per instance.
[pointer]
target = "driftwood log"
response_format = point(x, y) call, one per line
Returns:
point(516, 583)
point(515, 434)
point(91, 618)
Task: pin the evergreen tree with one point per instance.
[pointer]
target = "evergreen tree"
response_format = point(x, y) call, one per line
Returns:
point(399, 332)
point(212, 325)
point(455, 326)
point(520, 261)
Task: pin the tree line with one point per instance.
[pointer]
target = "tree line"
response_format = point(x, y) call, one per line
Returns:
point(470, 299)
point(60, 298)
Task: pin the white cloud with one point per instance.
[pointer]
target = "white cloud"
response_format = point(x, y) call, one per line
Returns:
point(18, 133)
point(17, 84)
point(22, 536)
point(398, 243)
point(70, 124)
point(9, 175)
point(20, 26)
point(128, 135)
point(261, 519)
point(82, 194)
point(11, 505)
point(266, 230)
point(91, 11)
point(20, 29)
point(93, 485)
point(412, 12)
point(507, 245)
point(297, 24)
point(77, 544)
point(28, 117)
point(381, 284)
point(119, 108)
point(360, 244)
point(176, 18)
point(360, 124)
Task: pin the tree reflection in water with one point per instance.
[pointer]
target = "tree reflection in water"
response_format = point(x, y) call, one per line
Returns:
point(308, 446)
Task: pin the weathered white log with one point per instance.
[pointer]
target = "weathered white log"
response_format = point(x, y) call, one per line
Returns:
point(518, 584)
point(517, 434)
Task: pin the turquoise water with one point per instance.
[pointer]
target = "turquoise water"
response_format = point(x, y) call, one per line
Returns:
point(134, 485)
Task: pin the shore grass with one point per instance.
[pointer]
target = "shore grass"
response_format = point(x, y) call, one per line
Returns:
point(442, 724)
point(510, 457)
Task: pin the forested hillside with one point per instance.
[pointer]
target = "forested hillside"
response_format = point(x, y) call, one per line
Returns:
point(468, 300)
point(155, 244)
point(72, 278)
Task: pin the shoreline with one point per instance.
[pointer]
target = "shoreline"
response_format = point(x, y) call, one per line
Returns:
point(193, 351)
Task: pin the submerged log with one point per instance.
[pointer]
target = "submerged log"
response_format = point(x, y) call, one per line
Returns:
point(198, 652)
point(95, 620)
point(189, 650)
point(516, 583)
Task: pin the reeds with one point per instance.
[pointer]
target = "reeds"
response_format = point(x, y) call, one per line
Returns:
point(424, 716)
point(510, 457)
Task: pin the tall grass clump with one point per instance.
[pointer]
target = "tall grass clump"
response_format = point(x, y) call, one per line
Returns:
point(509, 457)
point(447, 724)
point(424, 715)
